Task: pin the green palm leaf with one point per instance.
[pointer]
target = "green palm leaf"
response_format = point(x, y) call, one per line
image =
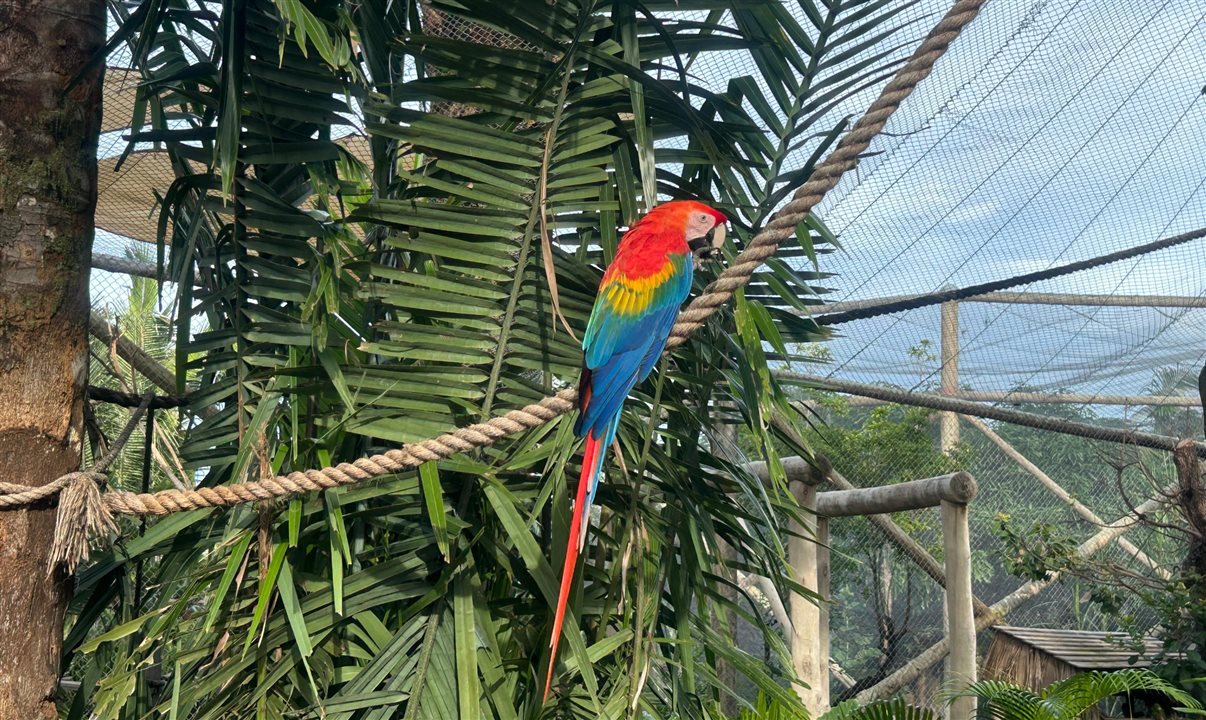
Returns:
point(1070, 698)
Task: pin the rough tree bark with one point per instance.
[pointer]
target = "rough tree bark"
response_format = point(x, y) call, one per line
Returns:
point(1191, 497)
point(48, 137)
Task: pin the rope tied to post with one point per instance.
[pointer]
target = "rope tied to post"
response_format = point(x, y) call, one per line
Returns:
point(83, 515)
point(83, 518)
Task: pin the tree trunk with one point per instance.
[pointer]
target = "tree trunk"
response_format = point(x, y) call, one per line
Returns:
point(1191, 497)
point(48, 138)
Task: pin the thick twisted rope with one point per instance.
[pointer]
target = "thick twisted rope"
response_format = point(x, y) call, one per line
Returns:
point(18, 496)
point(15, 496)
point(762, 246)
point(82, 514)
point(412, 455)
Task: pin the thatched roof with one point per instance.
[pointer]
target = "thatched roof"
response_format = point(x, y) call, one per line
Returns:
point(1086, 650)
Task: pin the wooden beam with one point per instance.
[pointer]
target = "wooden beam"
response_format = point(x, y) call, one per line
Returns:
point(796, 468)
point(1074, 299)
point(1036, 398)
point(1058, 491)
point(957, 487)
point(799, 469)
point(840, 674)
point(906, 544)
point(766, 588)
point(129, 351)
point(948, 422)
point(124, 266)
point(1025, 298)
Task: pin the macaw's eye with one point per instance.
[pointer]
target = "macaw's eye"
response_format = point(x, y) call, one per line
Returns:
point(701, 218)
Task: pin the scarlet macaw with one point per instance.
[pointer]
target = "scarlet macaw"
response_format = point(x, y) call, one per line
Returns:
point(638, 300)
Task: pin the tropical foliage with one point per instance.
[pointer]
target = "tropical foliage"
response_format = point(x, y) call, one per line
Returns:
point(379, 209)
point(999, 700)
point(1071, 698)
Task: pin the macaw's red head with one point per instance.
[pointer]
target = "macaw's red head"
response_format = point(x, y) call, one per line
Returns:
point(695, 220)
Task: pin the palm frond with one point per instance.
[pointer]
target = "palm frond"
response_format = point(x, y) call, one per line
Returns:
point(895, 709)
point(1071, 697)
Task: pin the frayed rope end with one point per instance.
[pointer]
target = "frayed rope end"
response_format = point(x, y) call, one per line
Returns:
point(83, 518)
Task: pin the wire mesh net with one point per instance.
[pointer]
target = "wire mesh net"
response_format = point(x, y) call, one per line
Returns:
point(1067, 142)
point(1051, 132)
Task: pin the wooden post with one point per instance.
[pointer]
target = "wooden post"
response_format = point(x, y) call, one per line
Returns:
point(961, 623)
point(810, 668)
point(823, 591)
point(905, 543)
point(948, 433)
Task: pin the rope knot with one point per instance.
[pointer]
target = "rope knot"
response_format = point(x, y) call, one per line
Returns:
point(83, 517)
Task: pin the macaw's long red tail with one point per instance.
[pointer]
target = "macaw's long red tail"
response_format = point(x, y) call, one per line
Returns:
point(591, 463)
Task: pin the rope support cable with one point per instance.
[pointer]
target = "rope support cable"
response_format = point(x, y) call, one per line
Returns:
point(937, 298)
point(1015, 417)
point(764, 244)
point(82, 514)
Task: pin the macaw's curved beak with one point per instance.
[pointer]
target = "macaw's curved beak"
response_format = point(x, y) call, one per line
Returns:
point(708, 246)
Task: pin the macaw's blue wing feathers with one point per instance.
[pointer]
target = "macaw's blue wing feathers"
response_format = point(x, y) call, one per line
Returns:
point(595, 475)
point(621, 350)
